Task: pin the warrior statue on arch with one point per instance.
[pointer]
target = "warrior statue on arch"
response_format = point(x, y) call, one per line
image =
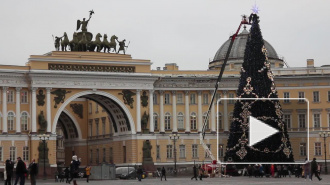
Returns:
point(84, 22)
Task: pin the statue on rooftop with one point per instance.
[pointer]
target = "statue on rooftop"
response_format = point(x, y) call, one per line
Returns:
point(84, 22)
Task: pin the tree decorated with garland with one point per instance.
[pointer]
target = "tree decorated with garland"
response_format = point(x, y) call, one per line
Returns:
point(257, 81)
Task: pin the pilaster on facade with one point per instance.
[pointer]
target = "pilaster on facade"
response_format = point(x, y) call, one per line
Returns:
point(34, 110)
point(175, 125)
point(225, 112)
point(200, 114)
point(48, 104)
point(213, 117)
point(161, 104)
point(151, 111)
point(186, 101)
point(138, 111)
point(18, 110)
point(4, 110)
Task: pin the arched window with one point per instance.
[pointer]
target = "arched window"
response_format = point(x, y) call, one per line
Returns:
point(10, 121)
point(167, 121)
point(155, 121)
point(180, 120)
point(193, 121)
point(24, 121)
point(219, 120)
point(207, 121)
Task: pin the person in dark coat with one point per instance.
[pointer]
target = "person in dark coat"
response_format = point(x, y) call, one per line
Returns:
point(33, 167)
point(20, 171)
point(9, 171)
point(139, 173)
point(195, 173)
point(163, 174)
point(314, 169)
point(67, 174)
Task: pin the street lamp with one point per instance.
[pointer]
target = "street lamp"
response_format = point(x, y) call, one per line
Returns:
point(325, 135)
point(174, 137)
point(43, 138)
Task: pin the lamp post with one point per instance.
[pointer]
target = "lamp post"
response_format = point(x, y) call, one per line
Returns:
point(43, 138)
point(325, 135)
point(174, 137)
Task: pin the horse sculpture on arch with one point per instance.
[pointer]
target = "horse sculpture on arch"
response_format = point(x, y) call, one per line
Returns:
point(74, 42)
point(113, 43)
point(96, 44)
point(105, 44)
point(65, 42)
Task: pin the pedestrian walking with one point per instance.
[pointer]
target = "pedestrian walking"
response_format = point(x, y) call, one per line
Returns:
point(33, 168)
point(163, 174)
point(314, 169)
point(307, 169)
point(9, 171)
point(139, 173)
point(88, 172)
point(66, 174)
point(74, 166)
point(195, 173)
point(20, 171)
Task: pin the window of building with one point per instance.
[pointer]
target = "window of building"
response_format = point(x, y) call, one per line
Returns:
point(158, 152)
point(97, 126)
point(195, 151)
point(97, 156)
point(317, 120)
point(301, 95)
point(182, 150)
point(104, 155)
point(205, 119)
point(90, 108)
point(205, 98)
point(10, 96)
point(25, 153)
point(302, 149)
point(91, 156)
point(103, 125)
point(206, 154)
point(155, 121)
point(111, 155)
point(169, 151)
point(180, 120)
point(96, 108)
point(287, 120)
point(316, 96)
point(24, 97)
point(231, 101)
point(286, 97)
point(12, 153)
point(10, 121)
point(24, 121)
point(220, 152)
point(219, 120)
point(318, 148)
point(1, 152)
point(167, 98)
point(179, 98)
point(90, 129)
point(167, 121)
point(302, 120)
point(193, 98)
point(328, 96)
point(155, 99)
point(193, 121)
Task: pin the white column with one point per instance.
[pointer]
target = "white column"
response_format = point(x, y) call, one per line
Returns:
point(138, 111)
point(151, 111)
point(34, 110)
point(4, 110)
point(49, 113)
point(225, 112)
point(175, 124)
point(161, 103)
point(18, 110)
point(200, 114)
point(213, 120)
point(186, 112)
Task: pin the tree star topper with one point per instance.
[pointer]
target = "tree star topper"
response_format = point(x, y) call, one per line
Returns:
point(255, 9)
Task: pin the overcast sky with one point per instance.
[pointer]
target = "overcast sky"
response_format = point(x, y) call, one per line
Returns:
point(186, 32)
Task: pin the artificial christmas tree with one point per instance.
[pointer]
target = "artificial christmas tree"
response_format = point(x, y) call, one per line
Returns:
point(257, 81)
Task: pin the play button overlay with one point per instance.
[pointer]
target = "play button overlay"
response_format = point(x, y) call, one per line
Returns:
point(259, 131)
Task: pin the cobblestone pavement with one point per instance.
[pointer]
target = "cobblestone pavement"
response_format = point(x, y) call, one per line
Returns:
point(208, 181)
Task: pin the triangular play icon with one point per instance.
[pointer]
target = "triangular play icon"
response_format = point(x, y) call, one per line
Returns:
point(259, 131)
